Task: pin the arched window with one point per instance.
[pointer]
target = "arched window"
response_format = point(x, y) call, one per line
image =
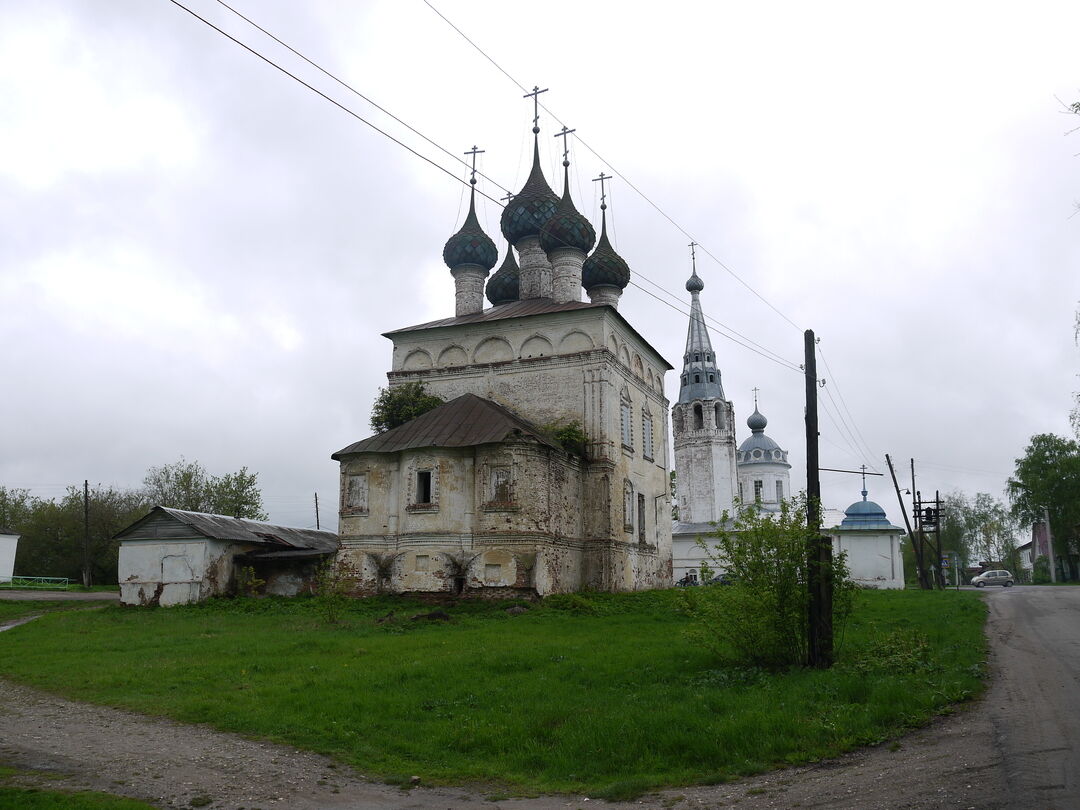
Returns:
point(626, 422)
point(628, 506)
point(719, 418)
point(646, 434)
point(699, 418)
point(697, 378)
point(697, 358)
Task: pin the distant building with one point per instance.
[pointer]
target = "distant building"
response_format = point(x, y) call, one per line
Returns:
point(9, 543)
point(173, 557)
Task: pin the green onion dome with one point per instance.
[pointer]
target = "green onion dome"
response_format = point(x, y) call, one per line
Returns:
point(504, 286)
point(567, 228)
point(604, 266)
point(533, 206)
point(470, 245)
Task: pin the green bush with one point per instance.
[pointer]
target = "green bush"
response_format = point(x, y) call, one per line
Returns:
point(761, 618)
point(1040, 574)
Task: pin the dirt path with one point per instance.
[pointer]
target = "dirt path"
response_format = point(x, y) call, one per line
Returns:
point(991, 756)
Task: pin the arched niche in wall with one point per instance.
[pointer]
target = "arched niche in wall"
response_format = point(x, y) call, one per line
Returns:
point(493, 350)
point(536, 346)
point(575, 341)
point(416, 359)
point(453, 356)
point(637, 367)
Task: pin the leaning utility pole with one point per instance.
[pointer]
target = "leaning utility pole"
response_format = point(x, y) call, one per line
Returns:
point(819, 650)
point(920, 573)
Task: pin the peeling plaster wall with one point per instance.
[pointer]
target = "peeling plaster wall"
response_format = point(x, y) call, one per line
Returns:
point(176, 572)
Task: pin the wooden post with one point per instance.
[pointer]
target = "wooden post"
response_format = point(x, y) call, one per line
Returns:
point(819, 552)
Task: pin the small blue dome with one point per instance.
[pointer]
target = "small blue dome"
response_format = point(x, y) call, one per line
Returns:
point(757, 421)
point(865, 514)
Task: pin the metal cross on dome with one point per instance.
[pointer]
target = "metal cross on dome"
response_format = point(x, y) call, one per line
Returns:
point(693, 256)
point(474, 152)
point(755, 390)
point(536, 91)
point(603, 193)
point(565, 144)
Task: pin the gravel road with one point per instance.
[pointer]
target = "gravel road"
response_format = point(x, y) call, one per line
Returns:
point(1018, 747)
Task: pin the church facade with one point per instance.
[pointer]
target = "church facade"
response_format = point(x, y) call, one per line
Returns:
point(477, 496)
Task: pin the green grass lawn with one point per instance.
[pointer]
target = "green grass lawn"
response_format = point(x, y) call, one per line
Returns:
point(20, 790)
point(16, 609)
point(599, 694)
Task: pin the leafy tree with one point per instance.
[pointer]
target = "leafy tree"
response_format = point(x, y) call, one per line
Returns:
point(570, 436)
point(186, 485)
point(1048, 476)
point(398, 404)
point(760, 619)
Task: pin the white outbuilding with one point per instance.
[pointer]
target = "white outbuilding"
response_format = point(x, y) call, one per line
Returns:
point(872, 545)
point(9, 542)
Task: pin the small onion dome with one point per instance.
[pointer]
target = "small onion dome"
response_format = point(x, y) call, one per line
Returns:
point(470, 245)
point(567, 228)
point(604, 266)
point(756, 421)
point(533, 206)
point(694, 283)
point(504, 285)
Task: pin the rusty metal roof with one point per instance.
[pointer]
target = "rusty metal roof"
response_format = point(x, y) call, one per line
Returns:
point(515, 309)
point(466, 421)
point(220, 527)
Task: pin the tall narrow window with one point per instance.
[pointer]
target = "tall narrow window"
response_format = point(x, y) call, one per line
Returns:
point(628, 506)
point(641, 518)
point(500, 485)
point(759, 486)
point(719, 416)
point(627, 424)
point(356, 493)
point(423, 486)
point(647, 435)
point(699, 417)
point(740, 492)
point(779, 491)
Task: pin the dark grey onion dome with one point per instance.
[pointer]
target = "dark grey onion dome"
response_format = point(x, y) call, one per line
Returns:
point(604, 266)
point(757, 421)
point(504, 285)
point(533, 206)
point(567, 228)
point(470, 245)
point(694, 283)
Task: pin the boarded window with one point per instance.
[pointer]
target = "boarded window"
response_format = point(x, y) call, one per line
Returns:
point(628, 506)
point(356, 493)
point(740, 492)
point(422, 562)
point(492, 573)
point(500, 485)
point(647, 434)
point(423, 486)
point(626, 424)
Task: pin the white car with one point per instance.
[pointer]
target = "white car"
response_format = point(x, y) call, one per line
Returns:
point(993, 578)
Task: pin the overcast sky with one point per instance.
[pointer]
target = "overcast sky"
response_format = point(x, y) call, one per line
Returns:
point(200, 254)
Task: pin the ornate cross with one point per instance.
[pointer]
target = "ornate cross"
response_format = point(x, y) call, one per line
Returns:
point(536, 91)
point(509, 196)
point(864, 477)
point(693, 256)
point(474, 152)
point(603, 194)
point(565, 145)
point(755, 397)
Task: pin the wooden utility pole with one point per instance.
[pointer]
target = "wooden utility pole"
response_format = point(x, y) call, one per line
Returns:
point(919, 572)
point(86, 581)
point(317, 526)
point(819, 552)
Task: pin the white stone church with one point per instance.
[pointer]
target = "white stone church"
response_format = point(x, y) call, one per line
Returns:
point(475, 496)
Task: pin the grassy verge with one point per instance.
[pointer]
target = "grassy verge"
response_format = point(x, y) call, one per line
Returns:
point(599, 693)
point(17, 609)
point(21, 790)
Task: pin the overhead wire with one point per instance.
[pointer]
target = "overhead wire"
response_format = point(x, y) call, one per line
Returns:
point(625, 179)
point(840, 394)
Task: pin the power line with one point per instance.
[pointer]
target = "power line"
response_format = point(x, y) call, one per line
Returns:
point(840, 394)
point(356, 92)
point(626, 180)
point(315, 90)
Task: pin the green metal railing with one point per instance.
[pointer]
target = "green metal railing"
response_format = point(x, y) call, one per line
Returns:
point(35, 583)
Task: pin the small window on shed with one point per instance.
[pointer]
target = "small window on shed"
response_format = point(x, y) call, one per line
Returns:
point(423, 486)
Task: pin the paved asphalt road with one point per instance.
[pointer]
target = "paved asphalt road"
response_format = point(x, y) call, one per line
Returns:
point(1018, 747)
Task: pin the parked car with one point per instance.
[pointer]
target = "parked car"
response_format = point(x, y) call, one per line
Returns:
point(720, 579)
point(687, 582)
point(993, 578)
